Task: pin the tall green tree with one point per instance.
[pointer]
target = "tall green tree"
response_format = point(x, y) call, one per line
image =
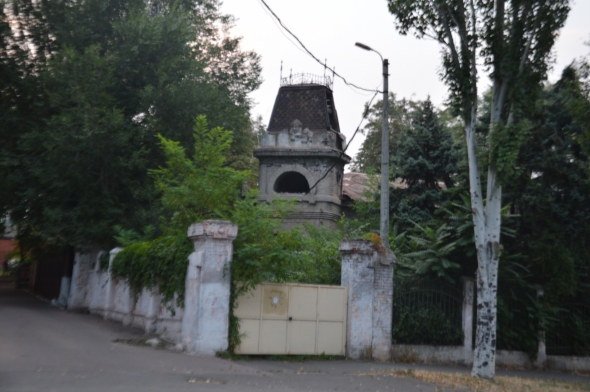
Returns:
point(368, 159)
point(514, 40)
point(90, 83)
point(426, 161)
point(550, 190)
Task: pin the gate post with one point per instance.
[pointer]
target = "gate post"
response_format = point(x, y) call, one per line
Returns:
point(369, 277)
point(206, 306)
point(383, 305)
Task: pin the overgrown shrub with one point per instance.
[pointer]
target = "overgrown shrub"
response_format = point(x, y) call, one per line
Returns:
point(191, 189)
point(161, 262)
point(427, 325)
point(264, 252)
point(203, 187)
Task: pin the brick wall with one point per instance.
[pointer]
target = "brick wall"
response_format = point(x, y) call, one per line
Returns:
point(369, 277)
point(7, 245)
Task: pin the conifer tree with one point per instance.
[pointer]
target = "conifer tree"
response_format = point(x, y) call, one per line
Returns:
point(426, 161)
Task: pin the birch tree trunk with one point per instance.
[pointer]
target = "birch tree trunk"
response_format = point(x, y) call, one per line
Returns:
point(487, 239)
point(486, 222)
point(509, 36)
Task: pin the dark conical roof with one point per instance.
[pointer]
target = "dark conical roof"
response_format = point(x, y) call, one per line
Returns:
point(312, 104)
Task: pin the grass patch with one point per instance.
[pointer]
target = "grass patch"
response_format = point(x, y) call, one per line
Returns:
point(464, 381)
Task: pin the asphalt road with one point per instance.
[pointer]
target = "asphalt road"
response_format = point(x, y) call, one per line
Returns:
point(46, 349)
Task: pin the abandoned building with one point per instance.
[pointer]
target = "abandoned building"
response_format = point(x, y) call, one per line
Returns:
point(302, 144)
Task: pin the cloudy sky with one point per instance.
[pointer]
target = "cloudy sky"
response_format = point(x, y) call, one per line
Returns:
point(329, 28)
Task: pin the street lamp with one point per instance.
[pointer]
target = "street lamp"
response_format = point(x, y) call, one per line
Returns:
point(384, 152)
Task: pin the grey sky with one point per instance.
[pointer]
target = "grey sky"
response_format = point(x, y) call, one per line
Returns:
point(329, 28)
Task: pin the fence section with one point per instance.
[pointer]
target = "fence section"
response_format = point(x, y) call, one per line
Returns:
point(569, 334)
point(430, 316)
point(427, 312)
point(519, 319)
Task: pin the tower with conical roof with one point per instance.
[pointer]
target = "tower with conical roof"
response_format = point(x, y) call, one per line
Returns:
point(302, 144)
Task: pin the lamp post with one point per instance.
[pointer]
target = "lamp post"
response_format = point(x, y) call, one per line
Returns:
point(384, 232)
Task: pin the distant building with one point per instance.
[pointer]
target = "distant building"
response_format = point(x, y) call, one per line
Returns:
point(302, 144)
point(7, 244)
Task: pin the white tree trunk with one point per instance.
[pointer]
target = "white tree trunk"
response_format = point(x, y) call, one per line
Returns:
point(487, 223)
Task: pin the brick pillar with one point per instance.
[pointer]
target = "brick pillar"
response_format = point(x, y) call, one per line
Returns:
point(383, 305)
point(84, 264)
point(109, 298)
point(206, 305)
point(467, 316)
point(152, 309)
point(369, 277)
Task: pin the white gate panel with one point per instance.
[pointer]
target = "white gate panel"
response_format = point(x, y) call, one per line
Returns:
point(293, 318)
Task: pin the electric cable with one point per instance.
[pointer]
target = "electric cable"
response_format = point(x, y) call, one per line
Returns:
point(282, 32)
point(311, 54)
point(365, 114)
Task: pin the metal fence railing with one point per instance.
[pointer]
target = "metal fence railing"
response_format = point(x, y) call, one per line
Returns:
point(307, 78)
point(569, 334)
point(427, 311)
point(517, 323)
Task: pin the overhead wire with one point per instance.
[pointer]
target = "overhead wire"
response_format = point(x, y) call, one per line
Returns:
point(310, 53)
point(365, 114)
point(281, 30)
point(354, 86)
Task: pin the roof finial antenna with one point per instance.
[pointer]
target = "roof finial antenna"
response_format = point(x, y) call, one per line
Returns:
point(325, 61)
point(291, 76)
point(281, 70)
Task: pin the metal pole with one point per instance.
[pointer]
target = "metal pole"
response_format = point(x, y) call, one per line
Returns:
point(384, 151)
point(385, 161)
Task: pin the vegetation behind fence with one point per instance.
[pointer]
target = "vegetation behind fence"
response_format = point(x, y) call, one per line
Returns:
point(569, 333)
point(519, 319)
point(427, 311)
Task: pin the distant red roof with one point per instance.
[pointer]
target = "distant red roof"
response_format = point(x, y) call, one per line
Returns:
point(355, 185)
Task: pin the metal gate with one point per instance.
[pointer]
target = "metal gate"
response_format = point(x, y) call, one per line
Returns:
point(293, 319)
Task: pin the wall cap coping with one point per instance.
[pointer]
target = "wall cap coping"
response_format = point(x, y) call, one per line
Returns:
point(388, 258)
point(261, 152)
point(358, 246)
point(217, 229)
point(116, 250)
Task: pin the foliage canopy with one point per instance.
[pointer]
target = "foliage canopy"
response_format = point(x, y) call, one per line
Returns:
point(88, 85)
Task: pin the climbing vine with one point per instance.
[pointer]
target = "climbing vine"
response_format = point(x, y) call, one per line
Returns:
point(161, 262)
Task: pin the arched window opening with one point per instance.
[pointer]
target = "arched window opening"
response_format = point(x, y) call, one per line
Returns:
point(291, 182)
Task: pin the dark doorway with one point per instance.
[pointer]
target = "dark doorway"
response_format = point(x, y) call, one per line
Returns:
point(291, 182)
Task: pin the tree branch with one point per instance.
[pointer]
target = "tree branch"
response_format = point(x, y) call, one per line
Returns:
point(439, 40)
point(449, 34)
point(474, 53)
point(461, 26)
point(525, 53)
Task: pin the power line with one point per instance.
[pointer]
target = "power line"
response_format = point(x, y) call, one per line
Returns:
point(311, 54)
point(365, 114)
point(281, 30)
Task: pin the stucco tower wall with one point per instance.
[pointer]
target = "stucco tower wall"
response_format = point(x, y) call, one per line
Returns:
point(302, 144)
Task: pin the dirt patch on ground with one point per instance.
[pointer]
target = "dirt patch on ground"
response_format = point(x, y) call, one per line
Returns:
point(464, 382)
